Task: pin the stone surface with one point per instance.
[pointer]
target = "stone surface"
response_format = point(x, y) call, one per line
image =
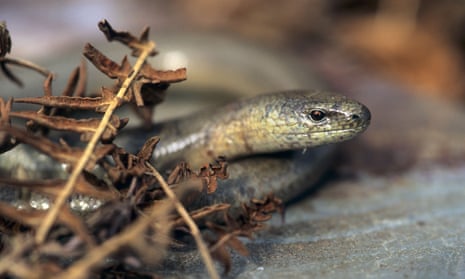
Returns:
point(392, 207)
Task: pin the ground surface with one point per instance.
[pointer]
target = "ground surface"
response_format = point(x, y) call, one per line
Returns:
point(393, 208)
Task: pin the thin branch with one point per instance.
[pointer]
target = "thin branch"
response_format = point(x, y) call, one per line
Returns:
point(189, 222)
point(224, 239)
point(68, 189)
point(25, 64)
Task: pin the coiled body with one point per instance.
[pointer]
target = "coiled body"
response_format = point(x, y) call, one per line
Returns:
point(269, 141)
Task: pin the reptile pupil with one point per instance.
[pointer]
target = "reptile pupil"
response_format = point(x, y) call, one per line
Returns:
point(317, 115)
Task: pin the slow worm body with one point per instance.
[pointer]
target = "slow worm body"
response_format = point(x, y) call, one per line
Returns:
point(270, 141)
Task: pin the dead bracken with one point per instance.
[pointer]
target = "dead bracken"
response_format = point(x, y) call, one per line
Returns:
point(136, 225)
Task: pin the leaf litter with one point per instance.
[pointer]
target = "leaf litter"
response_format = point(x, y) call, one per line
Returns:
point(141, 212)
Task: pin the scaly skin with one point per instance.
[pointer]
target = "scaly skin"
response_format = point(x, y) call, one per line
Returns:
point(263, 139)
point(264, 124)
point(253, 134)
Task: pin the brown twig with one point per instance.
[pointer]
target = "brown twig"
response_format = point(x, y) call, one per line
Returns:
point(22, 63)
point(43, 230)
point(189, 222)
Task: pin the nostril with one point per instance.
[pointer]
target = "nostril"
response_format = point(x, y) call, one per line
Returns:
point(355, 116)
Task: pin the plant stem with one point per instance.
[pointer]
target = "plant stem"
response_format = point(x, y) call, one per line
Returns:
point(60, 201)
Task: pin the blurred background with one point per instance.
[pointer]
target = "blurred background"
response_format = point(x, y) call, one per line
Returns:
point(417, 43)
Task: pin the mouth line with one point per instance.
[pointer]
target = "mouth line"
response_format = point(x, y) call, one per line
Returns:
point(351, 132)
point(355, 130)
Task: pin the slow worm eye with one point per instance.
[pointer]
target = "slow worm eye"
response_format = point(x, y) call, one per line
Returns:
point(355, 117)
point(317, 115)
